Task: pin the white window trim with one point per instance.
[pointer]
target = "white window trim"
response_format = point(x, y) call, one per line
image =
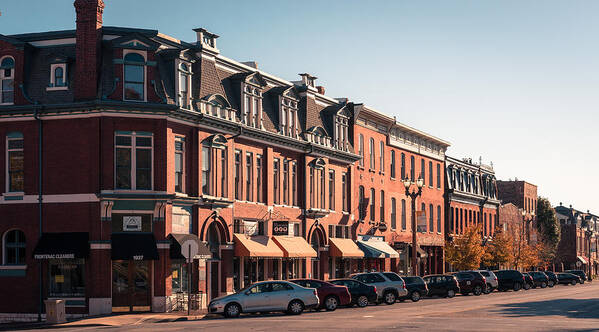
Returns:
point(52, 86)
point(133, 147)
point(189, 80)
point(178, 138)
point(12, 76)
point(145, 55)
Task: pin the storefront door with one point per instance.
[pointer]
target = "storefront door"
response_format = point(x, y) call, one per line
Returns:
point(130, 286)
point(214, 291)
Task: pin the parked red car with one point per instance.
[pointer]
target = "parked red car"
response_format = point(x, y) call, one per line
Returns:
point(330, 296)
point(471, 282)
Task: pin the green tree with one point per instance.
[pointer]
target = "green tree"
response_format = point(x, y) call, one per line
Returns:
point(548, 227)
point(465, 252)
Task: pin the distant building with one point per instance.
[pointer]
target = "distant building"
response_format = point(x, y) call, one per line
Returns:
point(577, 248)
point(523, 195)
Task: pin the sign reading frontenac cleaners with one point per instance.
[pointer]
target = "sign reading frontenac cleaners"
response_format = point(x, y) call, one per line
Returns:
point(54, 256)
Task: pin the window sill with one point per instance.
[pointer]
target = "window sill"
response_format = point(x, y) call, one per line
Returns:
point(13, 196)
point(13, 270)
point(7, 104)
point(57, 88)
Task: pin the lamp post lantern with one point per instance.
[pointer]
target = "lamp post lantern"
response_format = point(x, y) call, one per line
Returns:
point(413, 194)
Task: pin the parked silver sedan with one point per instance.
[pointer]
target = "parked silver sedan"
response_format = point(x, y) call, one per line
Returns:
point(264, 297)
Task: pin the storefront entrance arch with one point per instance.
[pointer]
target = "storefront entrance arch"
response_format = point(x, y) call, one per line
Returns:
point(317, 238)
point(215, 232)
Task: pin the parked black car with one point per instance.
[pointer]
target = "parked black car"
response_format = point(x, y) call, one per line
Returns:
point(552, 278)
point(416, 288)
point(539, 279)
point(568, 279)
point(580, 273)
point(471, 282)
point(442, 285)
point(361, 294)
point(509, 279)
point(528, 281)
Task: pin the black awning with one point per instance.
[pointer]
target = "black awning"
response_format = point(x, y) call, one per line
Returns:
point(178, 239)
point(65, 245)
point(135, 246)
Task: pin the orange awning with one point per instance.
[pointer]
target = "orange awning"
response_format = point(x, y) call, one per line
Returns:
point(256, 246)
point(345, 248)
point(295, 246)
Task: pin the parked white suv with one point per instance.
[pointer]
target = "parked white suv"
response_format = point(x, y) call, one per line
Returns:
point(389, 285)
point(491, 278)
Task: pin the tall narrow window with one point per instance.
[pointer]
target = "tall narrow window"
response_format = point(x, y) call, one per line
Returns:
point(247, 112)
point(372, 205)
point(294, 183)
point(439, 177)
point(134, 67)
point(259, 175)
point(431, 223)
point(485, 224)
point(179, 162)
point(7, 78)
point(344, 204)
point(412, 169)
point(422, 171)
point(361, 203)
point(331, 190)
point(286, 182)
point(238, 174)
point(15, 162)
point(133, 154)
point(372, 154)
point(393, 213)
point(14, 248)
point(382, 155)
point(430, 174)
point(59, 76)
point(361, 149)
point(184, 86)
point(312, 187)
point(382, 207)
point(403, 166)
point(206, 170)
point(255, 113)
point(223, 172)
point(276, 180)
point(404, 224)
point(393, 164)
point(249, 176)
point(321, 189)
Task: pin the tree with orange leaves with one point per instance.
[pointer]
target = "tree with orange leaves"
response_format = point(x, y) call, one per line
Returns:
point(465, 252)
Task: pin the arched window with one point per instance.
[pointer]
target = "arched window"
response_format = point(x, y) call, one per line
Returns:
point(362, 203)
point(7, 78)
point(438, 218)
point(134, 73)
point(382, 206)
point(372, 154)
point(361, 149)
point(422, 228)
point(184, 84)
point(14, 247)
point(58, 76)
point(431, 224)
point(404, 224)
point(372, 199)
point(393, 213)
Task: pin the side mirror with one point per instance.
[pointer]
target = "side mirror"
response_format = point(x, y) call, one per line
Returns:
point(247, 293)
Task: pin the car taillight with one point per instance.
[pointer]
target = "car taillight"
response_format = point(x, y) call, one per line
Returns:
point(374, 289)
point(404, 285)
point(316, 294)
point(484, 279)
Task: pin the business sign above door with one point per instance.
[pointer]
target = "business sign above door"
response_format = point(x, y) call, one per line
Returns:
point(280, 228)
point(132, 223)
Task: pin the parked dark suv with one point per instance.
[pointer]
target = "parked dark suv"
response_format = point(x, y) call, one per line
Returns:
point(471, 282)
point(442, 285)
point(539, 279)
point(509, 279)
point(416, 288)
point(580, 273)
point(552, 278)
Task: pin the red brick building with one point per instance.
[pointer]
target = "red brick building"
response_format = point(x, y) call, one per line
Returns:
point(471, 198)
point(390, 152)
point(523, 195)
point(577, 248)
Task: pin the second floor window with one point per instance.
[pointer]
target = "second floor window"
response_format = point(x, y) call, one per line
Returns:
point(259, 175)
point(439, 177)
point(15, 162)
point(362, 203)
point(438, 218)
point(276, 180)
point(382, 155)
point(393, 213)
point(249, 178)
point(372, 199)
point(403, 166)
point(361, 149)
point(134, 76)
point(294, 183)
point(133, 154)
point(206, 170)
point(7, 80)
point(372, 154)
point(238, 175)
point(344, 203)
point(331, 190)
point(382, 205)
point(404, 224)
point(412, 169)
point(179, 163)
point(392, 164)
point(286, 182)
point(430, 218)
point(430, 173)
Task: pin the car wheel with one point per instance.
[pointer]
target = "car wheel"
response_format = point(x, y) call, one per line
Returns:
point(543, 284)
point(517, 286)
point(232, 310)
point(573, 282)
point(295, 307)
point(477, 290)
point(551, 283)
point(526, 286)
point(450, 293)
point(389, 298)
point(488, 289)
point(415, 296)
point(582, 282)
point(331, 303)
point(362, 301)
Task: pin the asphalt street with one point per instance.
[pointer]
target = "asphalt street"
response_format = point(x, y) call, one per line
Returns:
point(552, 309)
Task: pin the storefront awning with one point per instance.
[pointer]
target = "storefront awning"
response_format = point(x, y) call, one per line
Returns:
point(375, 247)
point(345, 248)
point(135, 246)
point(294, 246)
point(62, 246)
point(178, 239)
point(256, 246)
point(581, 259)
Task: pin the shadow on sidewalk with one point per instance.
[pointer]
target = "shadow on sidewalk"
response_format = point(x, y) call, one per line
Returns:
point(569, 308)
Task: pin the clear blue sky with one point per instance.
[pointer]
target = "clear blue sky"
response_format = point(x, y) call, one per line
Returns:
point(515, 82)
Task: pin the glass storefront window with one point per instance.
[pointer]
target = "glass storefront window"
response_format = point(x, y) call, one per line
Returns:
point(67, 278)
point(179, 276)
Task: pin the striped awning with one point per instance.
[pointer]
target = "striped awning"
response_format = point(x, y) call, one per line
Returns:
point(376, 247)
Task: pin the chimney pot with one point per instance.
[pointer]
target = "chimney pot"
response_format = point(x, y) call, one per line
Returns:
point(320, 89)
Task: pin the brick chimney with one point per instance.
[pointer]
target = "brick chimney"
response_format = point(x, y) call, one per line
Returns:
point(89, 25)
point(320, 89)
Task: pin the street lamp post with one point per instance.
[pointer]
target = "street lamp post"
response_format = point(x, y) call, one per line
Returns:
point(413, 194)
point(589, 233)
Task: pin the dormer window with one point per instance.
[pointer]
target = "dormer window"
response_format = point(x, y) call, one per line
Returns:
point(58, 74)
point(7, 77)
point(134, 72)
point(184, 85)
point(252, 107)
point(341, 130)
point(288, 115)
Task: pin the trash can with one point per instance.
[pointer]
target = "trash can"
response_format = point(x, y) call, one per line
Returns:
point(55, 311)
